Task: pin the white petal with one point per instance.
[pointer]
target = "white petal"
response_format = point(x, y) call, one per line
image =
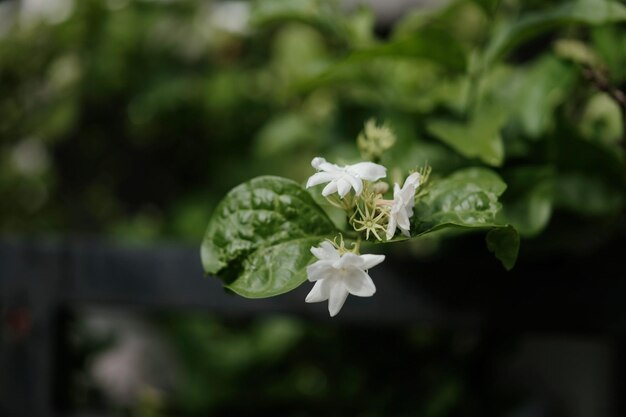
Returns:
point(337, 296)
point(317, 162)
point(403, 220)
point(407, 195)
point(319, 178)
point(326, 251)
point(330, 188)
point(348, 260)
point(371, 261)
point(359, 283)
point(413, 180)
point(356, 183)
point(397, 191)
point(319, 292)
point(368, 170)
point(343, 187)
point(320, 270)
point(391, 227)
point(408, 208)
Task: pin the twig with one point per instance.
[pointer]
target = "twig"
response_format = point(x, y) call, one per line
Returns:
point(601, 82)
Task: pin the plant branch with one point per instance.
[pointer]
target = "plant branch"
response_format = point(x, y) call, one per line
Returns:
point(601, 82)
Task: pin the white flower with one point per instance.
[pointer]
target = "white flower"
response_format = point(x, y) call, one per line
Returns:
point(341, 179)
point(337, 275)
point(402, 207)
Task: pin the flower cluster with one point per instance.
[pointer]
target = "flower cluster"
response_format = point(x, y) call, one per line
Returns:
point(339, 271)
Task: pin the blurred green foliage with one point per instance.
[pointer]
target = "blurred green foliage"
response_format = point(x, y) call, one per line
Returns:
point(293, 367)
point(133, 118)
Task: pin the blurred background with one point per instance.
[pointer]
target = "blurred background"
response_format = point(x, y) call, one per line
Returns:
point(124, 122)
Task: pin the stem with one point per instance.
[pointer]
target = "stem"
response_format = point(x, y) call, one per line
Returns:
point(601, 82)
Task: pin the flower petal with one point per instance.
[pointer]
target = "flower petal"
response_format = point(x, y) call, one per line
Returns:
point(403, 220)
point(319, 292)
point(391, 227)
point(371, 261)
point(358, 283)
point(337, 296)
point(317, 162)
point(330, 188)
point(343, 186)
point(326, 251)
point(321, 164)
point(355, 182)
point(397, 191)
point(320, 270)
point(319, 178)
point(413, 180)
point(368, 170)
point(348, 260)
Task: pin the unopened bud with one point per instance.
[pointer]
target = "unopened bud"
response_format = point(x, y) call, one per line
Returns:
point(380, 187)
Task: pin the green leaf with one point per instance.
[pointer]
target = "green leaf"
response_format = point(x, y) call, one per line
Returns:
point(259, 237)
point(284, 133)
point(476, 138)
point(468, 199)
point(275, 269)
point(543, 87)
point(588, 194)
point(530, 199)
point(582, 12)
point(488, 6)
point(504, 243)
point(601, 121)
point(610, 43)
point(430, 44)
point(578, 52)
point(323, 16)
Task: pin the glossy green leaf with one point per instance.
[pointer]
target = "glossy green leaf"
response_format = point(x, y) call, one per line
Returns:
point(259, 237)
point(477, 138)
point(504, 243)
point(468, 199)
point(275, 269)
point(583, 12)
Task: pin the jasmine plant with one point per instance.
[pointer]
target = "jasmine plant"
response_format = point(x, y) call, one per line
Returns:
point(268, 235)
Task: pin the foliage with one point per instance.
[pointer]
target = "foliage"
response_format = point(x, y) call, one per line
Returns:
point(302, 369)
point(133, 118)
point(489, 102)
point(170, 89)
point(260, 236)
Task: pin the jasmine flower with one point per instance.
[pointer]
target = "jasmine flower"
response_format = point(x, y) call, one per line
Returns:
point(402, 206)
point(338, 274)
point(341, 179)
